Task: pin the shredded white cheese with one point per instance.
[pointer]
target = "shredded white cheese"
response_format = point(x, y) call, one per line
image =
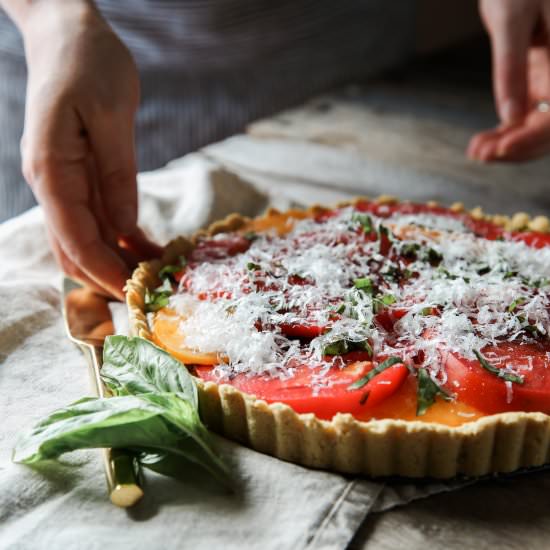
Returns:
point(484, 292)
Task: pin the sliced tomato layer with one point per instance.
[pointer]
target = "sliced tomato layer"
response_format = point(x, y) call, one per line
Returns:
point(301, 330)
point(489, 393)
point(207, 250)
point(307, 391)
point(533, 239)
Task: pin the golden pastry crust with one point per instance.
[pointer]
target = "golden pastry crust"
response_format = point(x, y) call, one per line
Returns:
point(493, 444)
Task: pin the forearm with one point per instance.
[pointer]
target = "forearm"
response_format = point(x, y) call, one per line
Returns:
point(25, 12)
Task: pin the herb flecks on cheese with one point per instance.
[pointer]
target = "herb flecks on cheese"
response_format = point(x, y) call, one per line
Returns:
point(443, 288)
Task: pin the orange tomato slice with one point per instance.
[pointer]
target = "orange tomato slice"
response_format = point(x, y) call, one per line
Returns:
point(166, 334)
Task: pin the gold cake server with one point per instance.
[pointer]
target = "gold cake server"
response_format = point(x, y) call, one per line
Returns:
point(88, 321)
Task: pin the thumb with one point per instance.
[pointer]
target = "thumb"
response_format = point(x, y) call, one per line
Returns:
point(112, 143)
point(510, 35)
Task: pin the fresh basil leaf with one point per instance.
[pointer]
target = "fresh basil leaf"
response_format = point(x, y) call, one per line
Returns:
point(132, 366)
point(426, 391)
point(390, 362)
point(251, 266)
point(163, 422)
point(93, 422)
point(508, 377)
point(176, 465)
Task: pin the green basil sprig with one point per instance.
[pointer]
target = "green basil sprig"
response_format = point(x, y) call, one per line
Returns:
point(153, 414)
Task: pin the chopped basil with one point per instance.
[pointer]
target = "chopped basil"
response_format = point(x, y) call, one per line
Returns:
point(425, 311)
point(383, 230)
point(251, 266)
point(447, 275)
point(168, 270)
point(340, 308)
point(364, 220)
point(426, 391)
point(365, 284)
point(158, 298)
point(340, 347)
point(533, 330)
point(510, 274)
point(389, 362)
point(381, 302)
point(393, 273)
point(517, 302)
point(433, 257)
point(410, 250)
point(336, 348)
point(484, 270)
point(508, 377)
point(250, 235)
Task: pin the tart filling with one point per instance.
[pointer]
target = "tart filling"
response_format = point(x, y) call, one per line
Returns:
point(399, 311)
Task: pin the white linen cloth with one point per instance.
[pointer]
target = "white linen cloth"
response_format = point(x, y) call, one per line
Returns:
point(65, 505)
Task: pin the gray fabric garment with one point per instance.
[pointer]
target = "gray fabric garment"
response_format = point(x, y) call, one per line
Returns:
point(209, 68)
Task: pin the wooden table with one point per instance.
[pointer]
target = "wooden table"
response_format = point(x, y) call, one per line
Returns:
point(406, 135)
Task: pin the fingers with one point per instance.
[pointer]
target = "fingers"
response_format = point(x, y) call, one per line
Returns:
point(58, 176)
point(526, 142)
point(112, 142)
point(70, 269)
point(510, 25)
point(482, 146)
point(141, 246)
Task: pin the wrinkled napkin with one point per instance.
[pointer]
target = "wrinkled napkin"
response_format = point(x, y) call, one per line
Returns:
point(64, 504)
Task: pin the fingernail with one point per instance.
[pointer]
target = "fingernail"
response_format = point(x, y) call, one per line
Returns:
point(125, 220)
point(511, 111)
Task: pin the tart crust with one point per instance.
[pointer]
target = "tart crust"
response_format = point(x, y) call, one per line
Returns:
point(496, 443)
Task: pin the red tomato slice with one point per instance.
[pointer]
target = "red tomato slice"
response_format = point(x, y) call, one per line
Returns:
point(301, 330)
point(479, 388)
point(307, 392)
point(217, 249)
point(534, 239)
point(389, 316)
point(384, 384)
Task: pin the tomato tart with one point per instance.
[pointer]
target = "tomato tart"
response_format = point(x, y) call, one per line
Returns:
point(376, 337)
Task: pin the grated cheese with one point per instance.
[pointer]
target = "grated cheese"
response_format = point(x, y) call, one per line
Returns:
point(230, 308)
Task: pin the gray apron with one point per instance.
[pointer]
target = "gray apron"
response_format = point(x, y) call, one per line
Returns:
point(208, 68)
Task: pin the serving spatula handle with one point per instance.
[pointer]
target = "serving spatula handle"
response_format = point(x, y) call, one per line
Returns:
point(121, 468)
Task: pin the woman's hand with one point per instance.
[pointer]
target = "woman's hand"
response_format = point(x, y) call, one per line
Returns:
point(78, 142)
point(520, 39)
